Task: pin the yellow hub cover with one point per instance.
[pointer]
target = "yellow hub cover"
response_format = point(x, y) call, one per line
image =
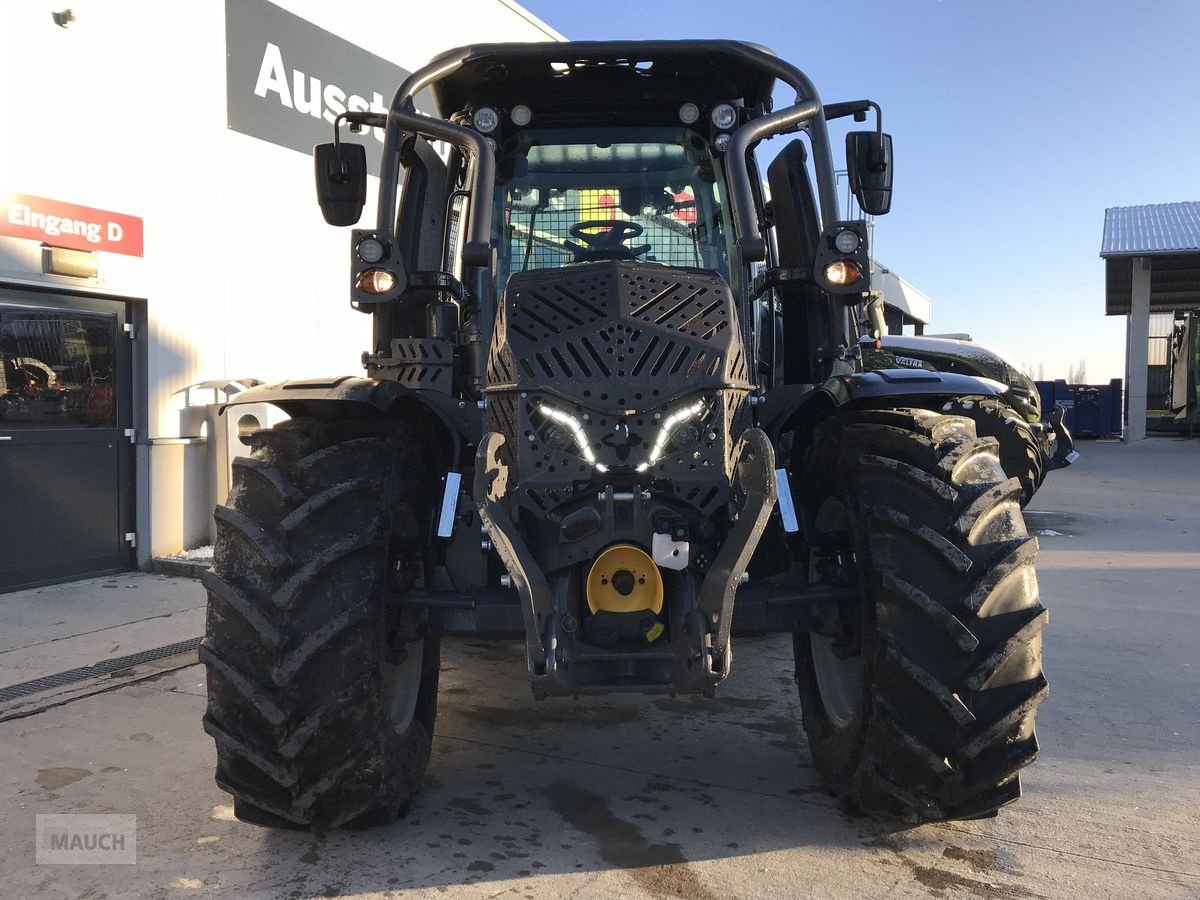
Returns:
point(624, 579)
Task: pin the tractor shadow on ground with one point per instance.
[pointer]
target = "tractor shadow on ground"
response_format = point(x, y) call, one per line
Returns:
point(518, 789)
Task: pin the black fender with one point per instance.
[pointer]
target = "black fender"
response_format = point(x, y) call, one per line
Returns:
point(456, 422)
point(798, 409)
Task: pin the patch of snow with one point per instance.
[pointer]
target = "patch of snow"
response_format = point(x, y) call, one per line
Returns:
point(199, 554)
point(1050, 532)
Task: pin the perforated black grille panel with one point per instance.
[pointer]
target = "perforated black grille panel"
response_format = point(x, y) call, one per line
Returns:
point(589, 365)
point(426, 363)
point(611, 333)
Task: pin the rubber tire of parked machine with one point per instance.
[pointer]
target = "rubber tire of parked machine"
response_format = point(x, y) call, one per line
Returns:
point(1020, 453)
point(949, 664)
point(302, 689)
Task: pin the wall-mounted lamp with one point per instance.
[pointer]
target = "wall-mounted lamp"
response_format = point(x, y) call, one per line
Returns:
point(75, 263)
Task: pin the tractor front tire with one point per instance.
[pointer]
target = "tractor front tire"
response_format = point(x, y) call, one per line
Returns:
point(1021, 452)
point(321, 705)
point(920, 703)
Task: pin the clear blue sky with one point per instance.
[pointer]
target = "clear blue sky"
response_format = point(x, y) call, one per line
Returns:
point(1016, 123)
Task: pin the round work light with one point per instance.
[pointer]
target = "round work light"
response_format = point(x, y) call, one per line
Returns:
point(724, 115)
point(485, 119)
point(846, 241)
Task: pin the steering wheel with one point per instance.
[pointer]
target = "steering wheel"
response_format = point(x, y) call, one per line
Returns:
point(608, 244)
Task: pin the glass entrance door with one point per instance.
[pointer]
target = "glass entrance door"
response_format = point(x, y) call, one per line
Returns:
point(65, 457)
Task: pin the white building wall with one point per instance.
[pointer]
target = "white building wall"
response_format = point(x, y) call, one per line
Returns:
point(303, 276)
point(126, 110)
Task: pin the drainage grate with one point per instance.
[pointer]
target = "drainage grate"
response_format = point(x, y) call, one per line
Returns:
point(96, 670)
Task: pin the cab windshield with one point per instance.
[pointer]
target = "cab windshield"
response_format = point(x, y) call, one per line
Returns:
point(581, 195)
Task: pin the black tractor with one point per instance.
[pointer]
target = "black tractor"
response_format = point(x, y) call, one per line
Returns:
point(615, 406)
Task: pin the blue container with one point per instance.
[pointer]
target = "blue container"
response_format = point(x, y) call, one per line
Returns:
point(1093, 410)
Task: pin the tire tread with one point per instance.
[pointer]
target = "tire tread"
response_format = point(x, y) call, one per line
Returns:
point(956, 617)
point(294, 637)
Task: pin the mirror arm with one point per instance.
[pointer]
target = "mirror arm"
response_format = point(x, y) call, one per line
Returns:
point(357, 121)
point(856, 108)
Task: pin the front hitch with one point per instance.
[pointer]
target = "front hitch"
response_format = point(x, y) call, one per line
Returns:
point(1064, 445)
point(697, 656)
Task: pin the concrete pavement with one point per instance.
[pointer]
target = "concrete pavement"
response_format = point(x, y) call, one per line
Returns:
point(650, 797)
point(48, 629)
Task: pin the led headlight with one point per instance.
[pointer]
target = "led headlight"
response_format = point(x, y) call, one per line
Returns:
point(558, 438)
point(842, 272)
point(673, 430)
point(376, 281)
point(721, 142)
point(686, 437)
point(370, 250)
point(669, 424)
point(485, 119)
point(846, 241)
point(724, 116)
point(575, 428)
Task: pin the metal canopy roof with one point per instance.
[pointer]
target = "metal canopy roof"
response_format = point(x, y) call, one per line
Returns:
point(1168, 236)
point(1147, 230)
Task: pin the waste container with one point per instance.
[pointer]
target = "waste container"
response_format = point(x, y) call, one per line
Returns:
point(1092, 410)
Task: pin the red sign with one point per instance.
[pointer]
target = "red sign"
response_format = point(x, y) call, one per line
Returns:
point(68, 225)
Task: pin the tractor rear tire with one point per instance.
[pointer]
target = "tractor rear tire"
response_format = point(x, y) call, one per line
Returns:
point(1021, 454)
point(321, 706)
point(922, 703)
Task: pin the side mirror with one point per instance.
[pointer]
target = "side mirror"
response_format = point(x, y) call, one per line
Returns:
point(869, 162)
point(341, 171)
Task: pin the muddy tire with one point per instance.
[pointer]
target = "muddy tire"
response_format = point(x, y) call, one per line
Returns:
point(1020, 450)
point(921, 702)
point(321, 711)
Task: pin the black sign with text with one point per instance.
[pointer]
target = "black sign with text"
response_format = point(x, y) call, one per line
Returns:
point(287, 79)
